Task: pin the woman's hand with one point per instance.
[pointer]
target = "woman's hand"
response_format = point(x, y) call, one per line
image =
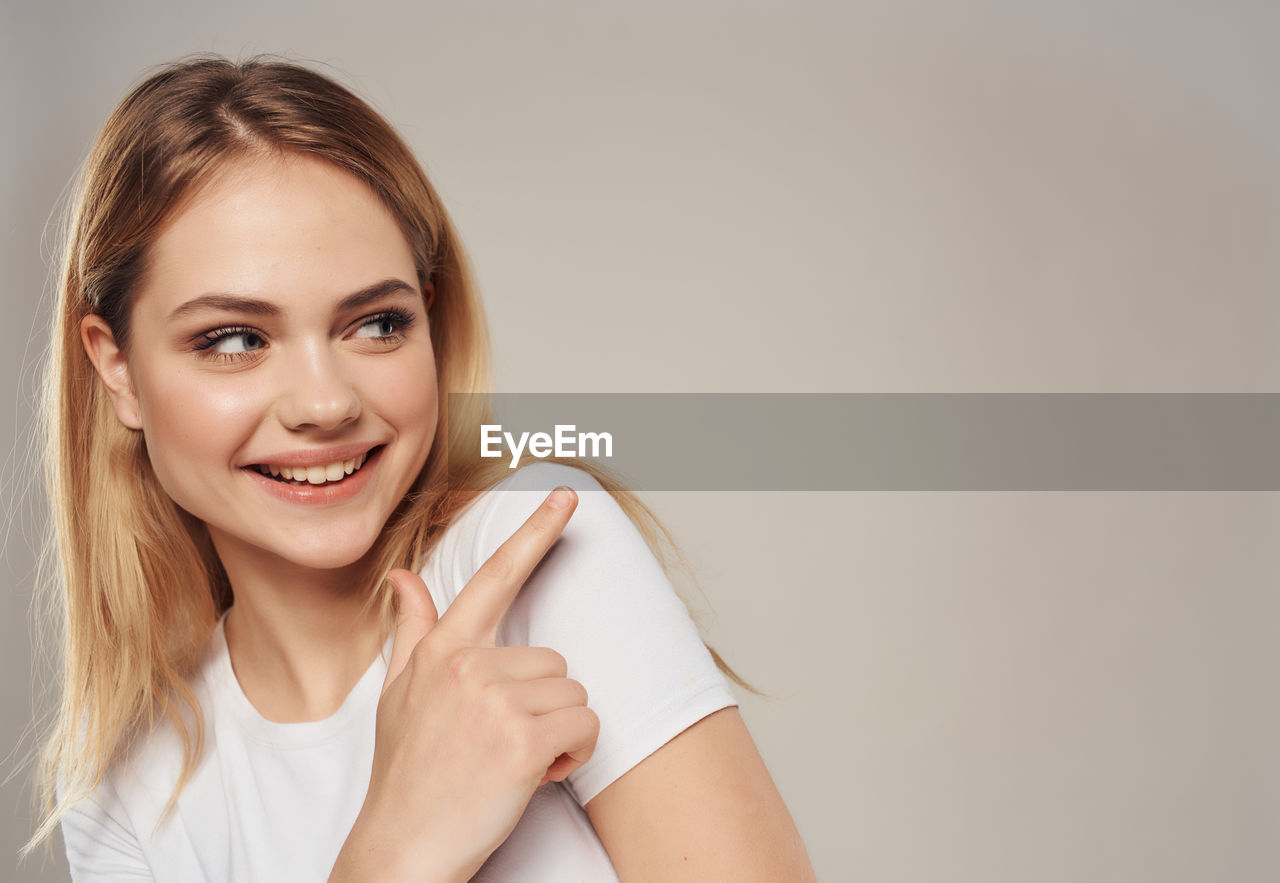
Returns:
point(466, 730)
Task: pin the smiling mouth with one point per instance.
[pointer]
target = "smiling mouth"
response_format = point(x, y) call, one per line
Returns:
point(329, 473)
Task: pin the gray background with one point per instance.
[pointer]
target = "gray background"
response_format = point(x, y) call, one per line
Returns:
point(874, 197)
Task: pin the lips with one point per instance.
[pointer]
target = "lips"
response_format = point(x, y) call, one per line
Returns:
point(349, 486)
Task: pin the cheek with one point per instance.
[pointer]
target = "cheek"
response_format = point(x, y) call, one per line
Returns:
point(193, 424)
point(406, 396)
point(411, 395)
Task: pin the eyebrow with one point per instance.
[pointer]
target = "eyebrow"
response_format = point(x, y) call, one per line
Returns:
point(254, 307)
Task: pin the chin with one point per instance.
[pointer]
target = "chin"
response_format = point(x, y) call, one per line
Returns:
point(332, 556)
point(324, 541)
point(313, 551)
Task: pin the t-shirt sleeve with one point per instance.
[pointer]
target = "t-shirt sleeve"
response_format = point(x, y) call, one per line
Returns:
point(100, 842)
point(601, 599)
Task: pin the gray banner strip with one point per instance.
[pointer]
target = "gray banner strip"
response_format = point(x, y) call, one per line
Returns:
point(912, 441)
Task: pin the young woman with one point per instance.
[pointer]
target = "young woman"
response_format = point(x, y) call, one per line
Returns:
point(263, 307)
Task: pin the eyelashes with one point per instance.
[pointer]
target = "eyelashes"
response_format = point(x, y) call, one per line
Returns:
point(232, 343)
point(397, 320)
point(209, 344)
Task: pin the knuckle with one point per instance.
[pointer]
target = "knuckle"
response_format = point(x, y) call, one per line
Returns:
point(526, 748)
point(462, 666)
point(579, 691)
point(500, 705)
point(556, 663)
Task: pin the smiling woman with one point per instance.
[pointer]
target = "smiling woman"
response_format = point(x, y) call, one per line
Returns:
point(293, 649)
point(289, 366)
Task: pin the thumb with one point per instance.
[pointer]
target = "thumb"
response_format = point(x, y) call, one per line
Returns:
point(417, 616)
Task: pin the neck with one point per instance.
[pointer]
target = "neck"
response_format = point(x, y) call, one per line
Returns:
point(297, 638)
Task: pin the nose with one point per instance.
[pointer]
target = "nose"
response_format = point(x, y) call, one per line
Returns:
point(317, 393)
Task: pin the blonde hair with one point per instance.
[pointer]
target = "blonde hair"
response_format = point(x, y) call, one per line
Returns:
point(141, 586)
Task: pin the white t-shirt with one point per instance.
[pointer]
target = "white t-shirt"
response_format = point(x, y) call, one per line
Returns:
point(274, 802)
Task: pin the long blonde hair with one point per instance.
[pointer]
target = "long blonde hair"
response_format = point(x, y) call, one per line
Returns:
point(140, 585)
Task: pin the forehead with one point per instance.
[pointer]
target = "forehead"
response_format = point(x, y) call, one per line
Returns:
point(293, 230)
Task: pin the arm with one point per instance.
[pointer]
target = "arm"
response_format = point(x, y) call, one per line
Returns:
point(702, 807)
point(676, 788)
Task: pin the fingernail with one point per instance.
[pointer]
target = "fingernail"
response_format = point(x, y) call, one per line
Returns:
point(560, 498)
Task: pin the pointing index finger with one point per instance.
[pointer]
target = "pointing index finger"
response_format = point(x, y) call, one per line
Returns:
point(475, 613)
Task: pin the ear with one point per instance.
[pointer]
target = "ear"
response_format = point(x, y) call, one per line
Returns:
point(112, 366)
point(428, 295)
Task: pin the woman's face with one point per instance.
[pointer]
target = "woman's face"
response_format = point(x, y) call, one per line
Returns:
point(280, 331)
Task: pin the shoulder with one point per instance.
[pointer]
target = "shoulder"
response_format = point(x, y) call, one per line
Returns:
point(100, 837)
point(517, 496)
point(599, 572)
point(598, 518)
point(148, 766)
point(599, 535)
point(603, 601)
point(116, 831)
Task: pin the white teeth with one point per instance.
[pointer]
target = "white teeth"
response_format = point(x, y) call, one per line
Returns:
point(315, 474)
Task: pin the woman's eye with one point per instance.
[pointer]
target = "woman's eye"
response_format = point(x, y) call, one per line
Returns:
point(231, 343)
point(239, 342)
point(388, 326)
point(382, 327)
